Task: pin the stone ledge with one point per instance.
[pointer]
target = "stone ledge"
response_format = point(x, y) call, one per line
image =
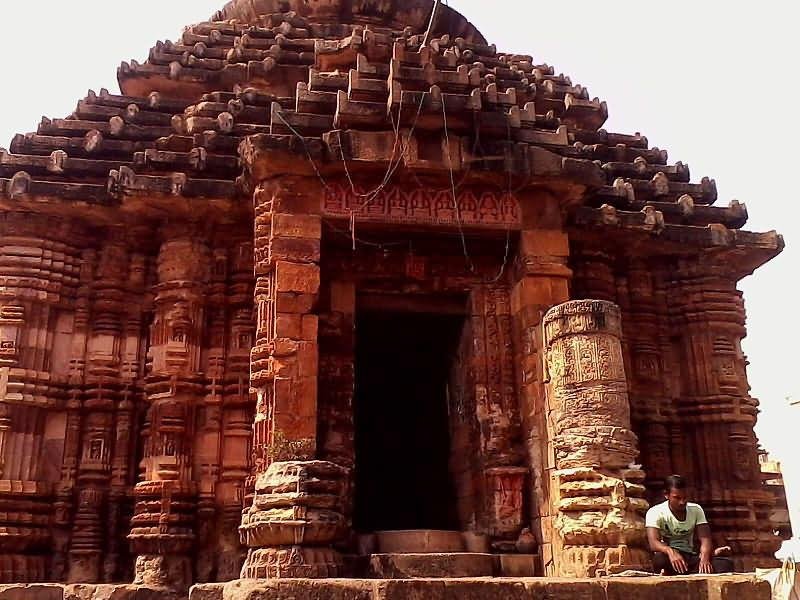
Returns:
point(726, 587)
point(421, 566)
point(54, 591)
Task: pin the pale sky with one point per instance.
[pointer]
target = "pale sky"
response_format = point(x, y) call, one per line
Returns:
point(713, 82)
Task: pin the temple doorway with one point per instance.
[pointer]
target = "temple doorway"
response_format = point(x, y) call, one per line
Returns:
point(404, 356)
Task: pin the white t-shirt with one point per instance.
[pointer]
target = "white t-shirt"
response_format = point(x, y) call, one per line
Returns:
point(675, 533)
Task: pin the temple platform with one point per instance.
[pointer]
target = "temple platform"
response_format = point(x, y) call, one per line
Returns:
point(738, 587)
point(743, 587)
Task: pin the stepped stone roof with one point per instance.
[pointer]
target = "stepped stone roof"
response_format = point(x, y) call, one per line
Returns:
point(329, 83)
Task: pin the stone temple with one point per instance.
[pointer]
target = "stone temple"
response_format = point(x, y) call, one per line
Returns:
point(334, 288)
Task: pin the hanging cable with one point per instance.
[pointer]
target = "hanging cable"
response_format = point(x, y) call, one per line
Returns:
point(434, 15)
point(305, 147)
point(456, 207)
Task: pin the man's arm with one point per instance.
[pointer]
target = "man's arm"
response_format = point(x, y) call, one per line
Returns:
point(706, 548)
point(656, 545)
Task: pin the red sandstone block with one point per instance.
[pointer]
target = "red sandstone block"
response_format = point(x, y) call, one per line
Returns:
point(296, 277)
point(290, 302)
point(284, 367)
point(116, 592)
point(289, 325)
point(663, 588)
point(306, 396)
point(298, 589)
point(534, 291)
point(306, 203)
point(484, 589)
point(560, 289)
point(284, 347)
point(299, 249)
point(310, 328)
point(738, 588)
point(308, 359)
point(283, 389)
point(409, 589)
point(207, 591)
point(526, 317)
point(297, 226)
point(293, 427)
point(565, 589)
point(32, 591)
point(544, 242)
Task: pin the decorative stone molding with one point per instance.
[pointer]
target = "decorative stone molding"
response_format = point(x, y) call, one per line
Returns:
point(295, 520)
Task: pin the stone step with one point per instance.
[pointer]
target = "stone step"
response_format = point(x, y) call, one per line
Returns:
point(419, 541)
point(427, 565)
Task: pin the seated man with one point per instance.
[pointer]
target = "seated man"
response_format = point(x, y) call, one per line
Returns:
point(671, 529)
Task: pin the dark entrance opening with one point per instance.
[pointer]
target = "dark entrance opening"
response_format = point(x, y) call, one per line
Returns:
point(401, 417)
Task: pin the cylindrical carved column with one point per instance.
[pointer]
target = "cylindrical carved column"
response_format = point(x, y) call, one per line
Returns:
point(600, 503)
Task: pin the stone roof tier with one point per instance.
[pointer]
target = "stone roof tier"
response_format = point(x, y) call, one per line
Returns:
point(348, 84)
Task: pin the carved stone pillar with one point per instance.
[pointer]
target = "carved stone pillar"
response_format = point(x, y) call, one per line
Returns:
point(542, 280)
point(100, 398)
point(39, 268)
point(297, 511)
point(132, 358)
point(497, 411)
point(600, 503)
point(65, 489)
point(163, 529)
point(337, 381)
point(208, 438)
point(716, 415)
point(237, 432)
point(649, 379)
point(337, 374)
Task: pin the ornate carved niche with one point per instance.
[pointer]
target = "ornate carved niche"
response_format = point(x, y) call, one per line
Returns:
point(12, 321)
point(104, 348)
point(743, 454)
point(728, 365)
point(242, 259)
point(241, 336)
point(96, 447)
point(164, 456)
point(178, 335)
point(646, 363)
point(219, 268)
point(506, 496)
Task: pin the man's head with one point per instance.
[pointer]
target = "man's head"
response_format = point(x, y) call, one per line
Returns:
point(675, 492)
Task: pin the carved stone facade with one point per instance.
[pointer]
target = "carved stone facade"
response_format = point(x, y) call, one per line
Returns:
point(309, 280)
